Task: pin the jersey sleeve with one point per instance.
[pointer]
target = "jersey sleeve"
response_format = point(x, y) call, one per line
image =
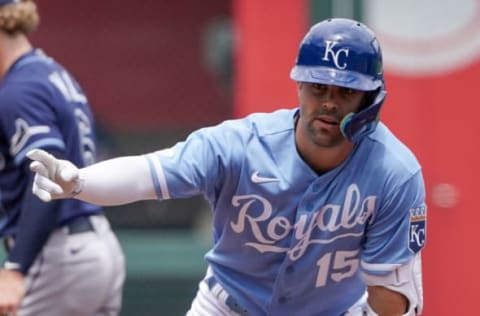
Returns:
point(398, 230)
point(36, 222)
point(28, 121)
point(198, 165)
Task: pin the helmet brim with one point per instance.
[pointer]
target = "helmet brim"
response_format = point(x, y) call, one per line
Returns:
point(335, 77)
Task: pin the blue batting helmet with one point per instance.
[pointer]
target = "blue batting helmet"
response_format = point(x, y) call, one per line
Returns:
point(346, 53)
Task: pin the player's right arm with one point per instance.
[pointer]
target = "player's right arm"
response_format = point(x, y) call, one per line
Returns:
point(198, 165)
point(111, 182)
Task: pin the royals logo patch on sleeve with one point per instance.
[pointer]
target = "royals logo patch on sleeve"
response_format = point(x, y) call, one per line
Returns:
point(418, 227)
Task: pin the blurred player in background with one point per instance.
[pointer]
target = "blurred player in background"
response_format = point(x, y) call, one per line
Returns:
point(62, 257)
point(318, 210)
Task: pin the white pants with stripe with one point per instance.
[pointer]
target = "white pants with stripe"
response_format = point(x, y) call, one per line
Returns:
point(211, 301)
point(77, 275)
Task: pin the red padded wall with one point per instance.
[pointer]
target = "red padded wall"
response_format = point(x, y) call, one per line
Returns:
point(438, 118)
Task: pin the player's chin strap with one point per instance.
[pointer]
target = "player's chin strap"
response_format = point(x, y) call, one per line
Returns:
point(355, 126)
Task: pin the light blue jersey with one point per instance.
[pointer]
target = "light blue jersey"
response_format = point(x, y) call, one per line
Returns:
point(288, 241)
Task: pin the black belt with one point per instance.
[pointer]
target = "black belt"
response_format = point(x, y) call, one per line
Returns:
point(78, 225)
point(230, 301)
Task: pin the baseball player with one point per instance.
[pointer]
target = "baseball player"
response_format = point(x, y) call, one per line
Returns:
point(318, 210)
point(62, 257)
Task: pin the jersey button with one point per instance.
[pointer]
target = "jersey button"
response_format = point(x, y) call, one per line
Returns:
point(289, 269)
point(282, 299)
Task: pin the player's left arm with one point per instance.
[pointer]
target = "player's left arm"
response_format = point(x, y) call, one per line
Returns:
point(397, 293)
point(385, 301)
point(21, 127)
point(391, 259)
point(35, 223)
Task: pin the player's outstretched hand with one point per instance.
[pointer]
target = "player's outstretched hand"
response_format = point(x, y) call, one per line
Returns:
point(54, 178)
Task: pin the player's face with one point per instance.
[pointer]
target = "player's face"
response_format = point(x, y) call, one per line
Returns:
point(322, 107)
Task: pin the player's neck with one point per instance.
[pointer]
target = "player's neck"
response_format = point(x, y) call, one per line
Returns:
point(323, 159)
point(11, 48)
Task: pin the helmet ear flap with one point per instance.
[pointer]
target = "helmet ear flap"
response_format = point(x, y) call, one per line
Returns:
point(369, 99)
point(355, 126)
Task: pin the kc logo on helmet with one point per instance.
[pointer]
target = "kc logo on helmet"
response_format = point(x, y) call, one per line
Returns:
point(335, 55)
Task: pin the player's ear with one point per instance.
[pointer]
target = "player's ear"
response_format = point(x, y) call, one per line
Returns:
point(299, 86)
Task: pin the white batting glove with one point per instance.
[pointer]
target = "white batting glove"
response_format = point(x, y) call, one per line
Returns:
point(54, 178)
